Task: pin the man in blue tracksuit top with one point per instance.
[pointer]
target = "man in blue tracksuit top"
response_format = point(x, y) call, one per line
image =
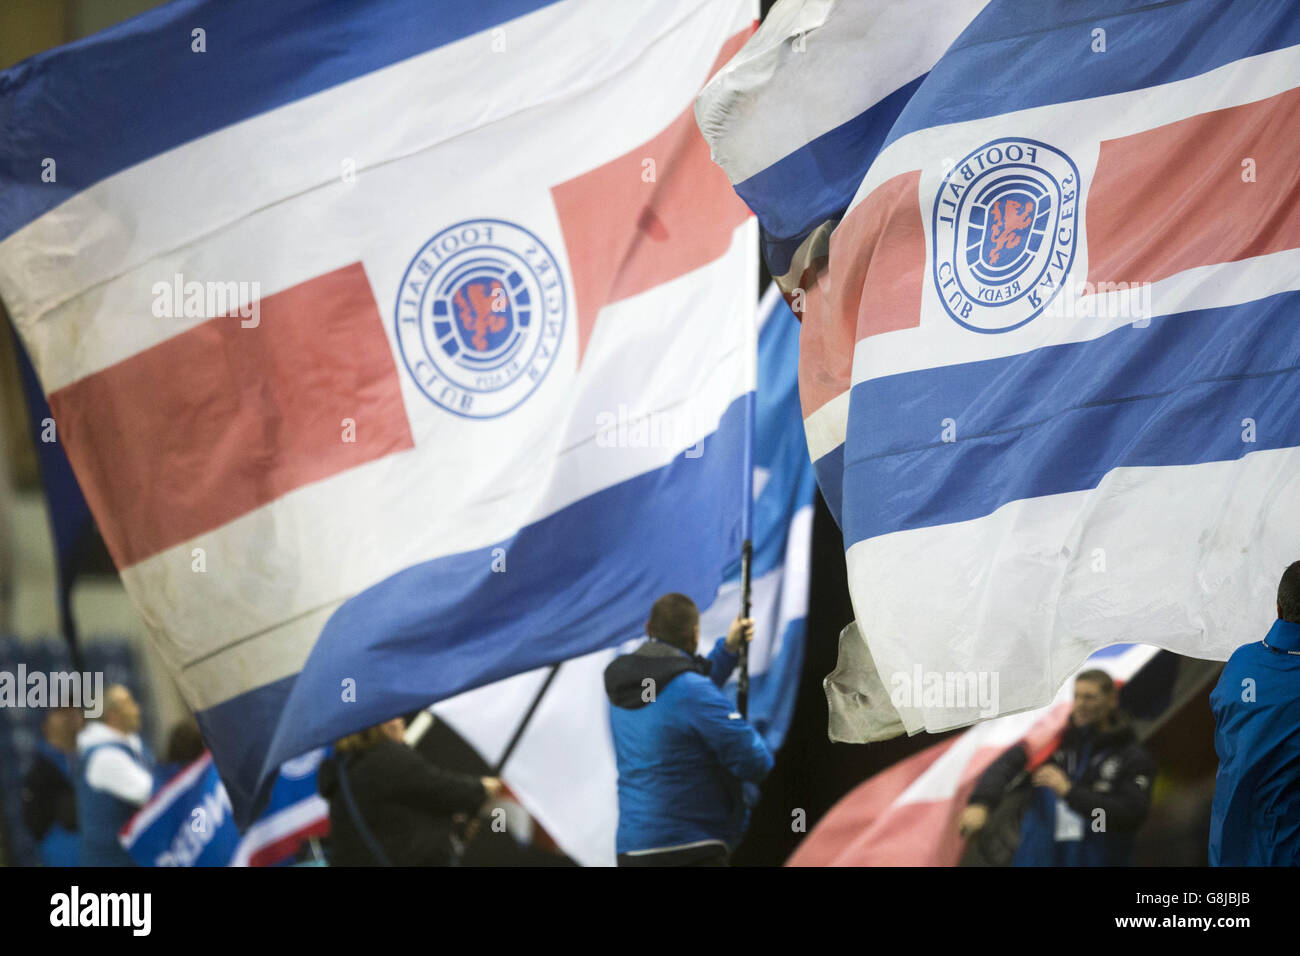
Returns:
point(683, 753)
point(1255, 819)
point(114, 778)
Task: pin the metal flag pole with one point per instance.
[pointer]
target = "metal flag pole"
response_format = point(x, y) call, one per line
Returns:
point(747, 505)
point(525, 720)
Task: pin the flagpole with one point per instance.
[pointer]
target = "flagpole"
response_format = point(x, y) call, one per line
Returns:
point(747, 504)
point(525, 721)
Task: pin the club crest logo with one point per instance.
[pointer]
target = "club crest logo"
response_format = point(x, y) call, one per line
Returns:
point(480, 316)
point(1004, 233)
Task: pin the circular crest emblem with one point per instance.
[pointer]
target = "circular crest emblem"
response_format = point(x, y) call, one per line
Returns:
point(1004, 233)
point(480, 315)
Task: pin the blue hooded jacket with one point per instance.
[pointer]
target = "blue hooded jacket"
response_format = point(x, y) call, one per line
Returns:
point(1255, 820)
point(682, 751)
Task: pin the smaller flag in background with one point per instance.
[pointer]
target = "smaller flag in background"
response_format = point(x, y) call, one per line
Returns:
point(907, 814)
point(189, 822)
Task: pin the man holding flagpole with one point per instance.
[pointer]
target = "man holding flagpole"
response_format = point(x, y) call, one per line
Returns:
point(683, 752)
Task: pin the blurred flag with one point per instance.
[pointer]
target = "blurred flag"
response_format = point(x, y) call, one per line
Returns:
point(1048, 373)
point(907, 815)
point(563, 768)
point(396, 346)
point(189, 823)
point(71, 525)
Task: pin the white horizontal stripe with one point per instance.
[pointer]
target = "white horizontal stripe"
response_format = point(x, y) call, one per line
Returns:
point(1077, 128)
point(288, 821)
point(826, 427)
point(161, 801)
point(295, 559)
point(789, 81)
point(1184, 558)
point(232, 665)
point(944, 343)
point(432, 139)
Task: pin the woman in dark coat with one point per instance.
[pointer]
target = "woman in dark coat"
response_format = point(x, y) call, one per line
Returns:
point(401, 807)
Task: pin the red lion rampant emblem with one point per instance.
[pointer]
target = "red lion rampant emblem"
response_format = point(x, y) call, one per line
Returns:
point(474, 302)
point(1006, 233)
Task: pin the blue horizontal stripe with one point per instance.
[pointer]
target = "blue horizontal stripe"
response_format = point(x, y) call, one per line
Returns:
point(1058, 419)
point(829, 469)
point(816, 182)
point(579, 580)
point(122, 96)
point(1019, 54)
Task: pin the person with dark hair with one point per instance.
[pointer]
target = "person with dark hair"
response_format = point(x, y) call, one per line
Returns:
point(1089, 794)
point(184, 746)
point(683, 753)
point(391, 807)
point(49, 789)
point(1255, 818)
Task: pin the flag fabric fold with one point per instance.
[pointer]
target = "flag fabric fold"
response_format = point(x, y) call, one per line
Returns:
point(1048, 370)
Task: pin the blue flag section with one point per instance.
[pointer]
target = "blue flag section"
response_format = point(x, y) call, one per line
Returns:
point(189, 821)
point(784, 493)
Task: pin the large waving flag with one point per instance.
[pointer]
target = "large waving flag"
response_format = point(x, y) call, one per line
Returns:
point(563, 769)
point(334, 304)
point(1049, 372)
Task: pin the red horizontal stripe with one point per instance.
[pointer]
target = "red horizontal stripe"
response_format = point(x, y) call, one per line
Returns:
point(625, 235)
point(876, 275)
point(1173, 198)
point(289, 844)
point(219, 420)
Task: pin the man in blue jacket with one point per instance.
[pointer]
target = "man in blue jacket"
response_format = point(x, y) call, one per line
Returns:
point(114, 778)
point(1255, 820)
point(683, 753)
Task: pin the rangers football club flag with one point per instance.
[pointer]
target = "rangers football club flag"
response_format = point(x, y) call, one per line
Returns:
point(398, 347)
point(1047, 257)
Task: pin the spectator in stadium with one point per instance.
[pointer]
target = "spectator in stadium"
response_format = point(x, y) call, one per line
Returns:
point(391, 807)
point(49, 791)
point(1255, 819)
point(683, 754)
point(1090, 794)
point(115, 778)
point(184, 746)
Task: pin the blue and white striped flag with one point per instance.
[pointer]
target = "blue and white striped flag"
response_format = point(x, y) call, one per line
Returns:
point(1047, 257)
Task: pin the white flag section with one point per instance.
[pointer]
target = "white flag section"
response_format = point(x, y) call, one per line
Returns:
point(1049, 370)
point(396, 354)
point(563, 769)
